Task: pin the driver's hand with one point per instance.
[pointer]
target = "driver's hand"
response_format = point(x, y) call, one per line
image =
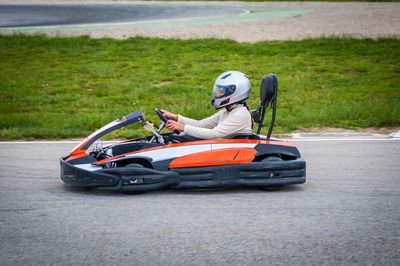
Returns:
point(169, 115)
point(173, 125)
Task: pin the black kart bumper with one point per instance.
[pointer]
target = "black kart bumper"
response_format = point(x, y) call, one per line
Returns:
point(124, 179)
point(259, 174)
point(138, 179)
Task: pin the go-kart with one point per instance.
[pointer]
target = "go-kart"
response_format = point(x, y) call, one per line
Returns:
point(175, 160)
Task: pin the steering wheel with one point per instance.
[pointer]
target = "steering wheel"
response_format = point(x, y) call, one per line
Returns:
point(161, 115)
point(164, 119)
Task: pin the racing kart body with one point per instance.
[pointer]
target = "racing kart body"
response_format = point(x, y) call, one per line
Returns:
point(181, 161)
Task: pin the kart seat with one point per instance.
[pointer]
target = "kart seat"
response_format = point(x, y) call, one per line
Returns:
point(245, 136)
point(181, 138)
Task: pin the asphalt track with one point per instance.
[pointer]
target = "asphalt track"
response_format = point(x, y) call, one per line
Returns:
point(347, 213)
point(52, 15)
point(56, 17)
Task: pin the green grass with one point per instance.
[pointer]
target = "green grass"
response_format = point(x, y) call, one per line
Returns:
point(54, 88)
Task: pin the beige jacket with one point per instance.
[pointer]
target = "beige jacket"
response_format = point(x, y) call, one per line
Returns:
point(223, 124)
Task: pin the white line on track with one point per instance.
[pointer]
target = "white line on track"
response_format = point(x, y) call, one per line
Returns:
point(343, 139)
point(294, 140)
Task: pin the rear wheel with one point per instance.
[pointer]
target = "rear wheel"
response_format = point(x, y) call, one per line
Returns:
point(272, 158)
point(272, 188)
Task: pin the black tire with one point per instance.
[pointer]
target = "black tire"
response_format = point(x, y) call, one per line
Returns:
point(134, 165)
point(272, 188)
point(135, 180)
point(272, 158)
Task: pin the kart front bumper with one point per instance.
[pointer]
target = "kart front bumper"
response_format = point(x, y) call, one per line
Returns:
point(123, 178)
point(262, 174)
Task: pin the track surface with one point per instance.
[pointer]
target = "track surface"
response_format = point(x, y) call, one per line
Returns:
point(50, 15)
point(265, 21)
point(346, 213)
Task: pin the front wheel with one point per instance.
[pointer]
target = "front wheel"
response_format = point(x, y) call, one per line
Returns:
point(134, 165)
point(135, 180)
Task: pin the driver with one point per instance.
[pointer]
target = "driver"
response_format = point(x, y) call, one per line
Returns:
point(231, 90)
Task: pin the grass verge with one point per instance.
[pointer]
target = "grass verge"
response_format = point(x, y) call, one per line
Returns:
point(54, 88)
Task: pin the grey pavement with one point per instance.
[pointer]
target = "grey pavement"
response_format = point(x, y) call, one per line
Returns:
point(347, 213)
point(55, 15)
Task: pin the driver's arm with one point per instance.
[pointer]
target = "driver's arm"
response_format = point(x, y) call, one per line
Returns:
point(208, 122)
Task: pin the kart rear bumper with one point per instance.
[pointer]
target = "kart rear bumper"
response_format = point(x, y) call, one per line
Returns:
point(145, 179)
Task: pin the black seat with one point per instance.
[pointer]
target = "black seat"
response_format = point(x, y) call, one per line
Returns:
point(173, 137)
point(245, 136)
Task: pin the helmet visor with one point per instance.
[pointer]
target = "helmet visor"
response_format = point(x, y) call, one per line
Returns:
point(222, 91)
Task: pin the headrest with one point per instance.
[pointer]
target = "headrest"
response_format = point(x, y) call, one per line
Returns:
point(269, 86)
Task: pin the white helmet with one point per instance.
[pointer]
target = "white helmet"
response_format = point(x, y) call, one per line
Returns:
point(229, 88)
